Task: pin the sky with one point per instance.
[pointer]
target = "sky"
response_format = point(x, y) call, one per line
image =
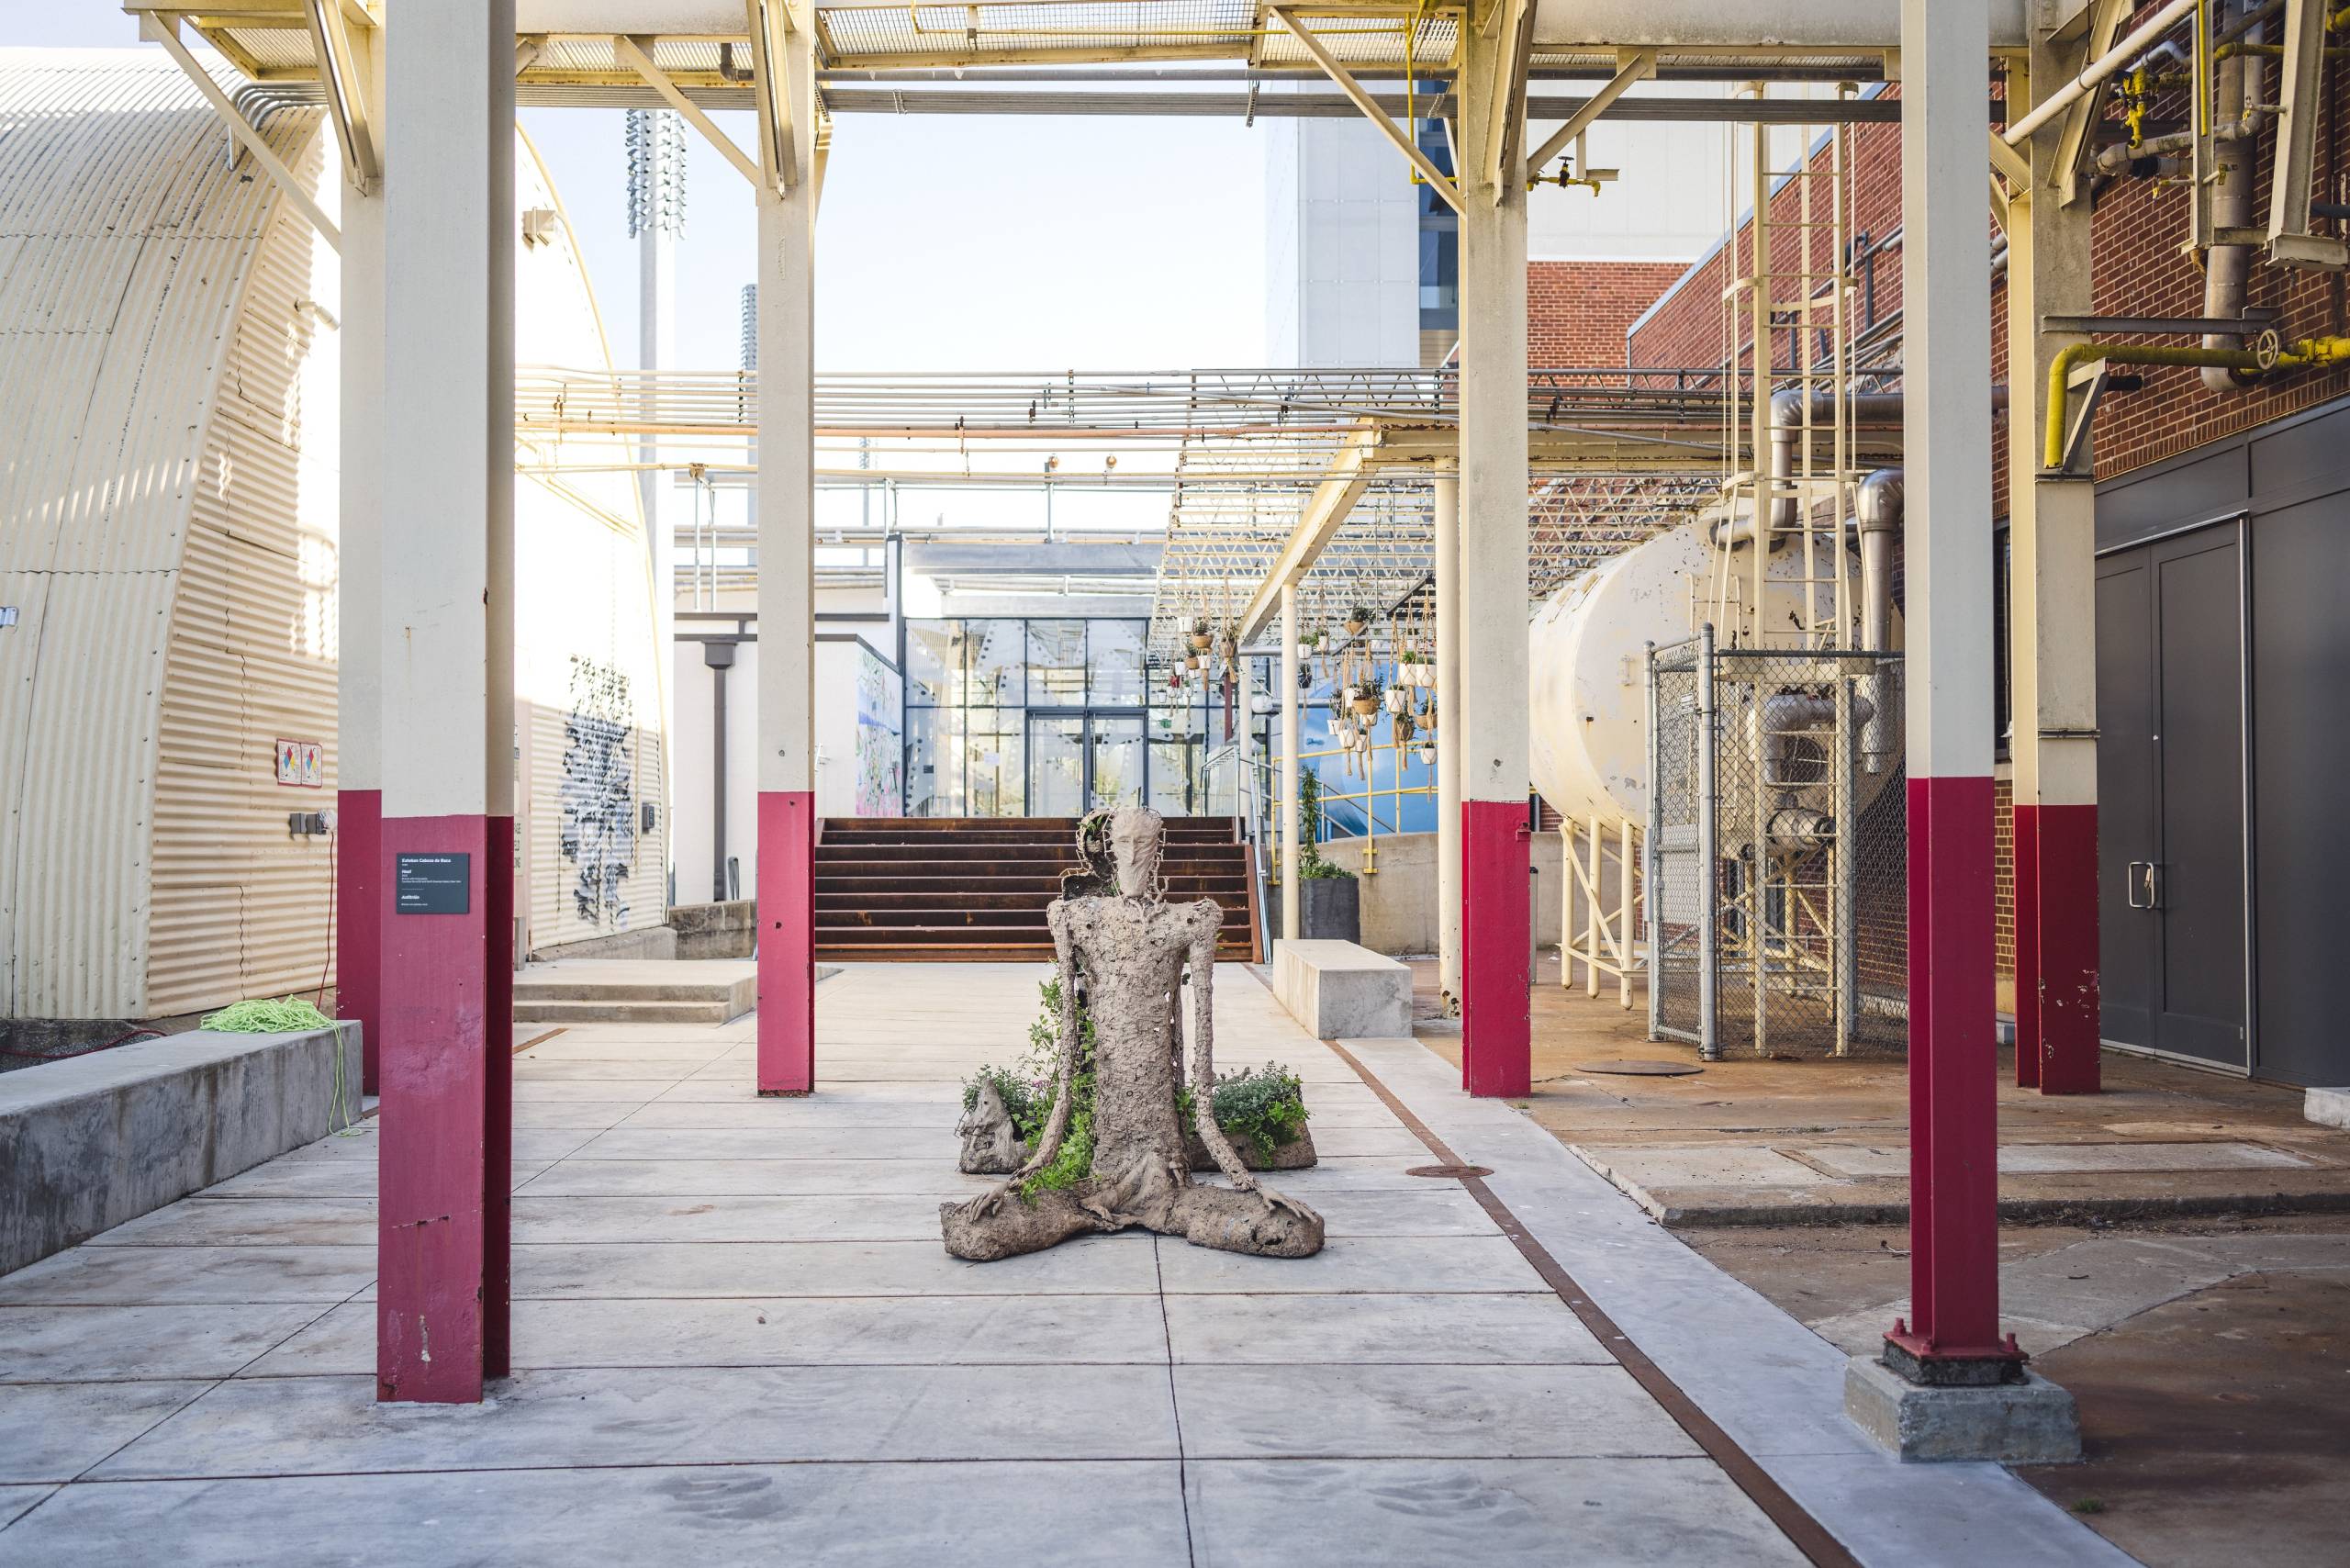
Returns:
point(944, 242)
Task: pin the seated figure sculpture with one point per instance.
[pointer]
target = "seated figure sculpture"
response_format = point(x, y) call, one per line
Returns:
point(1131, 948)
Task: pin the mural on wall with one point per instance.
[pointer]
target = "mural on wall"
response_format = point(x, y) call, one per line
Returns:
point(597, 793)
point(880, 745)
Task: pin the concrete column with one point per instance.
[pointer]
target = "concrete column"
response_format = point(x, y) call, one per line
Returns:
point(1946, 300)
point(359, 741)
point(446, 864)
point(787, 503)
point(2051, 605)
point(1293, 853)
point(1491, 646)
point(1448, 734)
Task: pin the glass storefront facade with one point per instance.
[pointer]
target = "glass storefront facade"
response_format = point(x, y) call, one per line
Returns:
point(1011, 716)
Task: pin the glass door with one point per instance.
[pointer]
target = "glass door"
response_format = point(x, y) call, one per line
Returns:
point(1057, 765)
point(1115, 759)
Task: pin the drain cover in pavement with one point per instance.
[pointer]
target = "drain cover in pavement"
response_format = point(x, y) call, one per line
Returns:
point(1638, 1069)
point(1452, 1172)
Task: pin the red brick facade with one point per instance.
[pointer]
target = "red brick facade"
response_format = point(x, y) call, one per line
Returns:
point(1577, 312)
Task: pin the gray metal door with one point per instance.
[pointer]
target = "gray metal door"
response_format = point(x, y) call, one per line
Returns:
point(2170, 796)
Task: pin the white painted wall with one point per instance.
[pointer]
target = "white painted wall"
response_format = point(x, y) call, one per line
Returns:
point(1342, 246)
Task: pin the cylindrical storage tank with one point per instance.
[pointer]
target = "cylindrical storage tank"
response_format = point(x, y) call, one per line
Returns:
point(1588, 646)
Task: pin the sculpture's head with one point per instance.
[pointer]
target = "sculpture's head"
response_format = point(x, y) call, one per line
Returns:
point(1137, 839)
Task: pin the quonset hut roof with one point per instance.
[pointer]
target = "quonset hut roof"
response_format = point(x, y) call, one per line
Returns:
point(128, 246)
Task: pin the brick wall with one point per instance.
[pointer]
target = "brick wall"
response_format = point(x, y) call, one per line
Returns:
point(1576, 312)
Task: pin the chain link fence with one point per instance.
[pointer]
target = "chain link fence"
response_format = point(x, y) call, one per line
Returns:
point(1777, 850)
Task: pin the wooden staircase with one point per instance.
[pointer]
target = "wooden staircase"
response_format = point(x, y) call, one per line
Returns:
point(973, 890)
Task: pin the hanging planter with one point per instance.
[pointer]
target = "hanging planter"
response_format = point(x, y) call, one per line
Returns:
point(1364, 699)
point(1357, 619)
point(1427, 755)
point(1398, 698)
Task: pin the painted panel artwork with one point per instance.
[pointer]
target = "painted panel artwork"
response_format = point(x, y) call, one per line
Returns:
point(597, 793)
point(880, 744)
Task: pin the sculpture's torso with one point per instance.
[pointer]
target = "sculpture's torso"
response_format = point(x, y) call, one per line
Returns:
point(1130, 952)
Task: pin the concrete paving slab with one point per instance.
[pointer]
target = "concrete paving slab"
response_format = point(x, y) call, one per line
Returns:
point(1593, 1513)
point(805, 1331)
point(669, 1219)
point(783, 1138)
point(1420, 1412)
point(57, 1431)
point(587, 1115)
point(250, 1222)
point(859, 1516)
point(1781, 1396)
point(16, 1501)
point(1436, 1208)
point(554, 1089)
point(556, 1069)
point(577, 1044)
point(1105, 1265)
point(190, 1276)
point(2057, 1159)
point(675, 1414)
point(326, 1179)
point(1532, 1329)
point(1390, 1142)
point(1427, 1265)
point(759, 1178)
point(1703, 1165)
point(89, 1344)
point(846, 1104)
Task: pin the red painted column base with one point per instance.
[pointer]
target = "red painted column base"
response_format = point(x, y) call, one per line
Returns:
point(787, 917)
point(1953, 1069)
point(1496, 1026)
point(2058, 1013)
point(358, 924)
point(446, 1149)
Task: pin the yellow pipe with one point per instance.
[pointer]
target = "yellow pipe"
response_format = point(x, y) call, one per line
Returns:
point(2308, 352)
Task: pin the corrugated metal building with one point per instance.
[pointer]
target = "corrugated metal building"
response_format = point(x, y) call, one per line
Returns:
point(168, 638)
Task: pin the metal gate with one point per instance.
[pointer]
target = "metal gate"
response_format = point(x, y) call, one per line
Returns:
point(1776, 848)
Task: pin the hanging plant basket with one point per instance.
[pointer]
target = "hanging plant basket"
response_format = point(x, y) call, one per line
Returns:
point(1364, 702)
point(1396, 699)
point(1427, 755)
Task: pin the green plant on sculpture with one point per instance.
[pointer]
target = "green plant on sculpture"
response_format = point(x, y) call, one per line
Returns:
point(1266, 1106)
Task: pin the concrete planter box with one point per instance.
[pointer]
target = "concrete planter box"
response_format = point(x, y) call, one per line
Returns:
point(1341, 991)
point(88, 1143)
point(1329, 909)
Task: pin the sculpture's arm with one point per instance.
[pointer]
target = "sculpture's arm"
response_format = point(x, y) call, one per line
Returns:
point(1220, 1148)
point(1048, 1142)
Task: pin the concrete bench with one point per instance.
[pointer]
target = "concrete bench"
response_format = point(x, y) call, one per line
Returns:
point(92, 1141)
point(1339, 991)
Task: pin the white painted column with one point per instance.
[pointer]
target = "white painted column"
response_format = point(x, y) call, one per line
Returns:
point(2052, 600)
point(1291, 851)
point(786, 502)
point(1494, 780)
point(447, 643)
point(359, 739)
point(1946, 360)
point(1448, 734)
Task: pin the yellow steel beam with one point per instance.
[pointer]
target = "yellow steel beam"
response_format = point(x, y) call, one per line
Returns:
point(1630, 68)
point(1505, 111)
point(771, 78)
point(342, 74)
point(1334, 499)
point(1363, 100)
point(165, 29)
point(635, 52)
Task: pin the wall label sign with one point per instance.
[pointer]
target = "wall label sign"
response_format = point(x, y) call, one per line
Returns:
point(301, 765)
point(8, 616)
point(433, 884)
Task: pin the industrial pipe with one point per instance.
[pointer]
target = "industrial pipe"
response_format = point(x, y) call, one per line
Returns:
point(2227, 269)
point(2303, 355)
point(1877, 510)
point(2097, 70)
point(1786, 435)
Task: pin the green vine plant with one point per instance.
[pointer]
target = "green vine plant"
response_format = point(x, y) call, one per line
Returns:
point(1264, 1106)
point(1311, 866)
